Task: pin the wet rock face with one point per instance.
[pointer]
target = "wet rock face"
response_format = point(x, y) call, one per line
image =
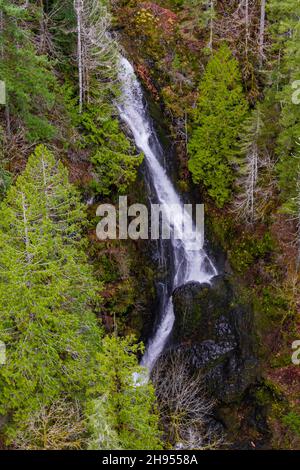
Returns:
point(217, 332)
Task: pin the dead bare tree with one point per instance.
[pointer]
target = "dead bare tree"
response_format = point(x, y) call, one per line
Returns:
point(247, 31)
point(208, 16)
point(97, 52)
point(184, 406)
point(7, 111)
point(44, 38)
point(78, 7)
point(262, 31)
point(211, 24)
point(55, 427)
point(246, 204)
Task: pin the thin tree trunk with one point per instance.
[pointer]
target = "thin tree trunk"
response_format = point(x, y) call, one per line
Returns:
point(78, 6)
point(85, 75)
point(262, 31)
point(7, 120)
point(7, 114)
point(42, 45)
point(254, 169)
point(1, 32)
point(247, 26)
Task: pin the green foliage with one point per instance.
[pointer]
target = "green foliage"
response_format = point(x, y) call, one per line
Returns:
point(284, 18)
point(114, 171)
point(268, 393)
point(249, 249)
point(5, 181)
point(30, 82)
point(115, 162)
point(292, 420)
point(273, 303)
point(59, 426)
point(292, 205)
point(249, 183)
point(55, 352)
point(126, 401)
point(208, 12)
point(46, 290)
point(221, 110)
point(63, 31)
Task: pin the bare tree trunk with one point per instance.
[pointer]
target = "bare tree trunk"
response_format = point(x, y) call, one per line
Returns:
point(97, 52)
point(7, 119)
point(78, 6)
point(42, 39)
point(184, 406)
point(247, 200)
point(262, 31)
point(7, 113)
point(253, 182)
point(85, 74)
point(1, 32)
point(247, 27)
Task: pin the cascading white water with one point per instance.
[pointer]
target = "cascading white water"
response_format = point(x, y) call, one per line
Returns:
point(189, 264)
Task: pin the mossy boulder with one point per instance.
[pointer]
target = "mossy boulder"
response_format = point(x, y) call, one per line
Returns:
point(198, 306)
point(217, 332)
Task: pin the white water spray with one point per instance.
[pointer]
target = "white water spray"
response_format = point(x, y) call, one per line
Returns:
point(189, 264)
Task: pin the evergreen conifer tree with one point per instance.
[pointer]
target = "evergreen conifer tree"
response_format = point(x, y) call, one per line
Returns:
point(29, 80)
point(218, 119)
point(124, 417)
point(46, 290)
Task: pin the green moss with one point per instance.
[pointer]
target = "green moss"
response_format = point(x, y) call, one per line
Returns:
point(268, 393)
point(281, 360)
point(249, 249)
point(273, 303)
point(292, 421)
point(183, 186)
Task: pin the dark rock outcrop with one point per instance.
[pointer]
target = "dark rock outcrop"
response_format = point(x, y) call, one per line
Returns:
point(217, 332)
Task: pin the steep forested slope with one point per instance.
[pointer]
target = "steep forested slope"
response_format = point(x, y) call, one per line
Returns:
point(222, 81)
point(225, 74)
point(63, 384)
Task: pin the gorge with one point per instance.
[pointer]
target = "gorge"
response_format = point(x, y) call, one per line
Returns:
point(112, 108)
point(199, 311)
point(187, 264)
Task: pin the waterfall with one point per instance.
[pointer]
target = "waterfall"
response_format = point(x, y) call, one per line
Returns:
point(187, 264)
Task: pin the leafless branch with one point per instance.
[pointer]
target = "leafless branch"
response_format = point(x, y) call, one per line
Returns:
point(185, 408)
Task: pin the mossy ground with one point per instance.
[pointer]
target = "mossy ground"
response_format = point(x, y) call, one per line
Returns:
point(255, 257)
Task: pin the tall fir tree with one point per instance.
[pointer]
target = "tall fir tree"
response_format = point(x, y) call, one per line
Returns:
point(46, 290)
point(125, 416)
point(219, 115)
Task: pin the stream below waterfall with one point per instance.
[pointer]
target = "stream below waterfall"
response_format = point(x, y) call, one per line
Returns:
point(185, 263)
